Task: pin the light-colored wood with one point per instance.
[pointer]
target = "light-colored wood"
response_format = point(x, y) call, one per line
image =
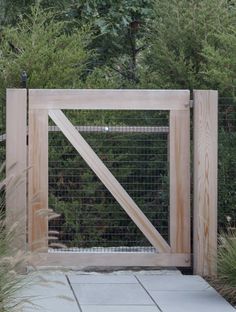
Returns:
point(38, 178)
point(110, 99)
point(109, 180)
point(16, 165)
point(205, 182)
point(120, 129)
point(81, 261)
point(179, 153)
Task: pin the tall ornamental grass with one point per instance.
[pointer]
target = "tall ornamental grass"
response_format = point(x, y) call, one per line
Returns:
point(11, 261)
point(226, 279)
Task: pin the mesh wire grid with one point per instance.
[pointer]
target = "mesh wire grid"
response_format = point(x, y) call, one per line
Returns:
point(2, 148)
point(2, 156)
point(2, 172)
point(2, 131)
point(134, 147)
point(227, 163)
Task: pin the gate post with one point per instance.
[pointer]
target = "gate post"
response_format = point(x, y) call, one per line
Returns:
point(16, 165)
point(205, 182)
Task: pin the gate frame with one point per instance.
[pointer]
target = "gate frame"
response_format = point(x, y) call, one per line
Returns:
point(205, 174)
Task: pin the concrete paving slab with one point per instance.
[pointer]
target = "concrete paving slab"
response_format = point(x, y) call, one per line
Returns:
point(120, 292)
point(48, 292)
point(120, 308)
point(173, 282)
point(111, 294)
point(102, 279)
point(194, 301)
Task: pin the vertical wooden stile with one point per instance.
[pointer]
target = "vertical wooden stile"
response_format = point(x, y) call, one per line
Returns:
point(38, 179)
point(205, 181)
point(179, 154)
point(16, 164)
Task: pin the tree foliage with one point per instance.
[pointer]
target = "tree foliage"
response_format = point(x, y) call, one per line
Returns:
point(220, 67)
point(188, 41)
point(40, 45)
point(120, 28)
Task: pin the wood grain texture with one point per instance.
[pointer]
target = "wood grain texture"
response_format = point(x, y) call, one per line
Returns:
point(110, 99)
point(16, 165)
point(109, 180)
point(205, 181)
point(81, 261)
point(38, 178)
point(179, 153)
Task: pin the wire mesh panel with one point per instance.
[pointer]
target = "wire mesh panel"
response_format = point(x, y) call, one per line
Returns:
point(134, 147)
point(2, 148)
point(2, 173)
point(227, 162)
point(2, 132)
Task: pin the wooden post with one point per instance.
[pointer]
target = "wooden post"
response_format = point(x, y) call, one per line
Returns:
point(205, 182)
point(16, 164)
point(38, 179)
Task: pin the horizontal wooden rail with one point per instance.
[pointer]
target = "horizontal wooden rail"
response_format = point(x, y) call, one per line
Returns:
point(109, 99)
point(126, 259)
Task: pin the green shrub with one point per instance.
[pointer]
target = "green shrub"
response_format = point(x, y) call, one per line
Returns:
point(192, 46)
point(53, 54)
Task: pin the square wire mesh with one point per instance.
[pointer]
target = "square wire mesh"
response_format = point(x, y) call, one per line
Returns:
point(227, 163)
point(134, 147)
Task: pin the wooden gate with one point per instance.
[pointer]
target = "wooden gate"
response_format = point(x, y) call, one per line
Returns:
point(43, 104)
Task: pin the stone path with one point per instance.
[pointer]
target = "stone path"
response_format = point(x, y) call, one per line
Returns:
point(150, 291)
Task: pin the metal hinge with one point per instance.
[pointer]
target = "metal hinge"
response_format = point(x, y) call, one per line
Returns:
point(191, 103)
